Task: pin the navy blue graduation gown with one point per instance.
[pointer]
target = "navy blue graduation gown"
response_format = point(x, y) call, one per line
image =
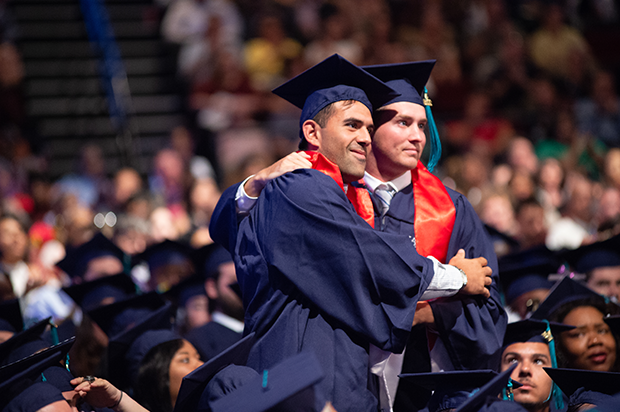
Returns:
point(471, 328)
point(211, 339)
point(315, 276)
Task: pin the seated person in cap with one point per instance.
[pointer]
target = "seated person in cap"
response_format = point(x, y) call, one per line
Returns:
point(314, 275)
point(587, 389)
point(102, 394)
point(226, 326)
point(591, 345)
point(529, 344)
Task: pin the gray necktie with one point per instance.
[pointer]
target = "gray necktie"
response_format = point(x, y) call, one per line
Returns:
point(384, 194)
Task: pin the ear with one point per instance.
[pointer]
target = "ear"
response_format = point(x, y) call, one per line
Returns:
point(312, 133)
point(211, 289)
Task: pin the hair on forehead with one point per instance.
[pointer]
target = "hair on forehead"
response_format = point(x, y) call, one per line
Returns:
point(328, 111)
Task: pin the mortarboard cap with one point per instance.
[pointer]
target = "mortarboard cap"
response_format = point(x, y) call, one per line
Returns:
point(34, 397)
point(570, 380)
point(22, 339)
point(614, 323)
point(490, 389)
point(217, 257)
point(167, 252)
point(76, 261)
point(526, 271)
point(142, 344)
point(408, 79)
point(194, 383)
point(532, 330)
point(284, 382)
point(119, 368)
point(105, 290)
point(11, 319)
point(39, 361)
point(450, 388)
point(118, 317)
point(188, 288)
point(595, 255)
point(564, 291)
point(332, 80)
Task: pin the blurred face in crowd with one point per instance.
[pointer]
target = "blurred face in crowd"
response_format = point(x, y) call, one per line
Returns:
point(127, 182)
point(102, 266)
point(531, 357)
point(345, 139)
point(591, 345)
point(184, 361)
point(398, 141)
point(529, 302)
point(219, 290)
point(197, 310)
point(13, 241)
point(606, 281)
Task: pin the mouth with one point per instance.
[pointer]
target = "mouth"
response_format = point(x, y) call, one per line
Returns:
point(598, 358)
point(359, 153)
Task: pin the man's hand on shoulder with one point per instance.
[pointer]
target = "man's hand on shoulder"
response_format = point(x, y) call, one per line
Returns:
point(478, 274)
point(293, 161)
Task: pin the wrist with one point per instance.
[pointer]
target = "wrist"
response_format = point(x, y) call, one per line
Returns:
point(118, 402)
point(463, 275)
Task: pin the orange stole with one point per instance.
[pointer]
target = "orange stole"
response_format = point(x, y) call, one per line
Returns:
point(358, 196)
point(434, 214)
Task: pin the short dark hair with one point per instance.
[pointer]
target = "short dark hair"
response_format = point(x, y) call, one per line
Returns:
point(152, 387)
point(323, 117)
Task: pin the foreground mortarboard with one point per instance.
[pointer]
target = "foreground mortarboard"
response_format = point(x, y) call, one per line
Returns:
point(76, 261)
point(22, 339)
point(565, 291)
point(11, 319)
point(143, 344)
point(585, 386)
point(491, 389)
point(595, 255)
point(91, 295)
point(533, 330)
point(274, 386)
point(194, 383)
point(116, 318)
point(450, 388)
point(119, 368)
point(39, 361)
point(526, 271)
point(33, 398)
point(569, 380)
point(332, 80)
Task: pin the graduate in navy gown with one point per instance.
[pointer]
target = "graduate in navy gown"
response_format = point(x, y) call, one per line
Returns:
point(467, 330)
point(314, 274)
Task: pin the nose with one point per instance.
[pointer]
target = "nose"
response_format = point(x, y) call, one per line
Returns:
point(363, 137)
point(416, 134)
point(523, 370)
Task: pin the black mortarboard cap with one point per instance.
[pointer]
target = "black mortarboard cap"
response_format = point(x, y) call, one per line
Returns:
point(595, 255)
point(76, 261)
point(569, 380)
point(408, 79)
point(165, 253)
point(564, 291)
point(273, 386)
point(91, 295)
point(51, 356)
point(183, 291)
point(332, 80)
point(490, 389)
point(34, 397)
point(194, 383)
point(532, 330)
point(22, 338)
point(614, 323)
point(450, 388)
point(527, 270)
point(116, 318)
point(119, 369)
point(11, 319)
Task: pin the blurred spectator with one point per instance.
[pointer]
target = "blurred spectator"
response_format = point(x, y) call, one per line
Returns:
point(550, 192)
point(599, 115)
point(539, 114)
point(333, 37)
point(552, 45)
point(612, 167)
point(131, 234)
point(530, 217)
point(521, 156)
point(267, 55)
point(203, 198)
point(479, 126)
point(127, 182)
point(575, 228)
point(607, 215)
point(13, 255)
point(380, 46)
point(170, 177)
point(497, 211)
point(521, 186)
point(182, 141)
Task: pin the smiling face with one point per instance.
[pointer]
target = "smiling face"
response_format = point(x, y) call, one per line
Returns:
point(591, 345)
point(345, 138)
point(531, 358)
point(398, 141)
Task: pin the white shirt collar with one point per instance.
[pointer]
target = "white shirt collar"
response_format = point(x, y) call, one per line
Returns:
point(398, 184)
point(225, 320)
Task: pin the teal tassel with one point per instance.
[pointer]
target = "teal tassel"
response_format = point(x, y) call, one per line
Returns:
point(435, 143)
point(265, 374)
point(67, 363)
point(54, 333)
point(507, 392)
point(557, 393)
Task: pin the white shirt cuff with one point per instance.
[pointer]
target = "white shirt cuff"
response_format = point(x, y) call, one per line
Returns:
point(244, 202)
point(447, 281)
